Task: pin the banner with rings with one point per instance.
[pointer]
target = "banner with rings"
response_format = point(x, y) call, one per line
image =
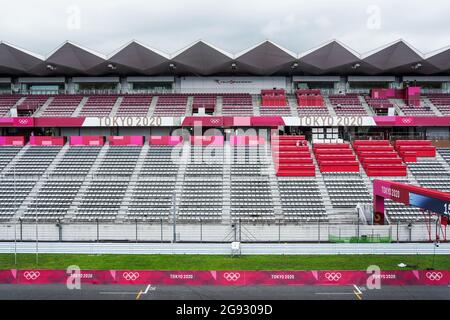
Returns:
point(227, 277)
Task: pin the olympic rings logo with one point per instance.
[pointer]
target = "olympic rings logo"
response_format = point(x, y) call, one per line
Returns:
point(434, 276)
point(333, 276)
point(231, 276)
point(31, 275)
point(130, 276)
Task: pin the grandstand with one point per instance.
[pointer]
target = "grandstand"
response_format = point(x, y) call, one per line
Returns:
point(298, 148)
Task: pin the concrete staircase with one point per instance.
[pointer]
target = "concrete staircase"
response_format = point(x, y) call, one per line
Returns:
point(366, 106)
point(226, 187)
point(256, 102)
point(13, 162)
point(86, 183)
point(40, 183)
point(13, 111)
point(77, 111)
point(427, 102)
point(44, 107)
point(219, 106)
point(126, 201)
point(329, 106)
point(116, 107)
point(292, 101)
point(189, 104)
point(273, 182)
point(397, 104)
point(151, 109)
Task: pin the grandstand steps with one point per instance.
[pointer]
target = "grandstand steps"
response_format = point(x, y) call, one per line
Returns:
point(256, 103)
point(366, 106)
point(59, 157)
point(181, 174)
point(153, 104)
point(292, 102)
point(25, 206)
point(442, 161)
point(126, 201)
point(411, 178)
point(12, 163)
point(44, 107)
point(427, 102)
point(273, 182)
point(218, 107)
point(398, 103)
point(77, 111)
point(343, 216)
point(86, 183)
point(226, 186)
point(321, 183)
point(189, 104)
point(13, 110)
point(116, 107)
point(329, 106)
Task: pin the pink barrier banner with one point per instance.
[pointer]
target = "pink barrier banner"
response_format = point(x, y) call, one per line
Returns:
point(18, 141)
point(46, 141)
point(126, 140)
point(87, 141)
point(23, 122)
point(246, 140)
point(165, 140)
point(207, 140)
point(227, 278)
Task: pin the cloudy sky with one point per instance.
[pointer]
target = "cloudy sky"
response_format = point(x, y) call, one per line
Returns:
point(233, 25)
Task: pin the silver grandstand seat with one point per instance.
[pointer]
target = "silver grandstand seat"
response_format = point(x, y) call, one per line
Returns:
point(249, 161)
point(12, 197)
point(430, 173)
point(346, 190)
point(34, 161)
point(53, 200)
point(7, 154)
point(119, 161)
point(301, 200)
point(78, 160)
point(202, 195)
point(445, 153)
point(398, 212)
point(251, 200)
point(423, 168)
point(201, 199)
point(152, 199)
point(159, 161)
point(102, 200)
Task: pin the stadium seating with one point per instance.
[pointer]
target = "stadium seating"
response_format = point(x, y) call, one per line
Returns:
point(379, 158)
point(30, 104)
point(347, 105)
point(171, 105)
point(301, 200)
point(234, 104)
point(379, 106)
point(62, 106)
point(346, 190)
point(335, 157)
point(441, 101)
point(7, 102)
point(206, 101)
point(98, 106)
point(134, 106)
point(292, 157)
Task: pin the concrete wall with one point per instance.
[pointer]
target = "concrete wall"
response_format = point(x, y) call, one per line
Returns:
point(209, 232)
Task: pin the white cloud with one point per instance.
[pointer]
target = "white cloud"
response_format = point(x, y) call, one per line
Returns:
point(233, 25)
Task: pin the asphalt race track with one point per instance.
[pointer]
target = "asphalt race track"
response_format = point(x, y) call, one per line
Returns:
point(133, 292)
